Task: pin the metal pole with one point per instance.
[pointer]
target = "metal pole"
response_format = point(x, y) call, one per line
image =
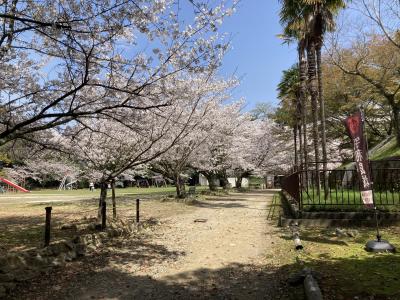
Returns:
point(137, 210)
point(378, 236)
point(47, 226)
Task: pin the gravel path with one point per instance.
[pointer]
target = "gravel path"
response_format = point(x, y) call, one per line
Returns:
point(216, 251)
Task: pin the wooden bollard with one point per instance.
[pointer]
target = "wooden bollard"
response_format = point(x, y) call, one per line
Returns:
point(103, 215)
point(47, 227)
point(137, 211)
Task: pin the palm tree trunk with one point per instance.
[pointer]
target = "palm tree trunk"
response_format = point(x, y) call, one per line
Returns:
point(296, 162)
point(323, 121)
point(303, 97)
point(300, 146)
point(298, 131)
point(313, 90)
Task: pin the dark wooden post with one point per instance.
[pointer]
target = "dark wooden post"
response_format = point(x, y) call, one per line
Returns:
point(47, 227)
point(104, 215)
point(137, 211)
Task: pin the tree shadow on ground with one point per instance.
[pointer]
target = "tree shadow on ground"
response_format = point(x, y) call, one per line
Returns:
point(236, 281)
point(96, 279)
point(21, 232)
point(224, 198)
point(258, 192)
point(27, 232)
point(316, 239)
point(139, 250)
point(212, 204)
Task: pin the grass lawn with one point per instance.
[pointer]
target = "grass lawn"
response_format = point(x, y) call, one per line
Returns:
point(346, 269)
point(56, 195)
point(22, 215)
point(86, 192)
point(348, 200)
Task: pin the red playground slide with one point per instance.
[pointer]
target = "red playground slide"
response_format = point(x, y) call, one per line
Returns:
point(19, 188)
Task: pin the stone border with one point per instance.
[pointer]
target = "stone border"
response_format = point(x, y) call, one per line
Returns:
point(335, 222)
point(25, 265)
point(293, 216)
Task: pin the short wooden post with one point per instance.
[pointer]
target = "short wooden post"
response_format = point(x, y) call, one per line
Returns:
point(103, 215)
point(137, 211)
point(47, 226)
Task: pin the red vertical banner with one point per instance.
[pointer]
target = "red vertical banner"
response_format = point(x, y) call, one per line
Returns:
point(354, 125)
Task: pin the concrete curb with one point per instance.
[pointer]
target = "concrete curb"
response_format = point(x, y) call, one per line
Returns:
point(334, 222)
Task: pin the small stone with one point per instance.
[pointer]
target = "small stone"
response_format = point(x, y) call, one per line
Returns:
point(96, 241)
point(102, 235)
point(340, 232)
point(91, 248)
point(70, 256)
point(69, 227)
point(352, 233)
point(59, 261)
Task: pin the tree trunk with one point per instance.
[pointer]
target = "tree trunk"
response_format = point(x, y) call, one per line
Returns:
point(323, 121)
point(103, 197)
point(113, 199)
point(211, 181)
point(296, 162)
point(298, 130)
point(396, 122)
point(303, 100)
point(180, 188)
point(224, 182)
point(238, 182)
point(313, 90)
point(300, 147)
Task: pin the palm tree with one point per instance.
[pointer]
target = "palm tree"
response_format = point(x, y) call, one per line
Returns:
point(289, 91)
point(295, 30)
point(320, 18)
point(310, 19)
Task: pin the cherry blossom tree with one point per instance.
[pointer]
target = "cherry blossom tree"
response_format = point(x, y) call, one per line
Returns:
point(67, 60)
point(212, 158)
point(42, 170)
point(107, 147)
point(176, 160)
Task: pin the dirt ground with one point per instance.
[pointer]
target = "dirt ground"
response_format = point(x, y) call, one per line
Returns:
point(219, 248)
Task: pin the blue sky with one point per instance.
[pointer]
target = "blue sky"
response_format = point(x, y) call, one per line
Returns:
point(257, 55)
